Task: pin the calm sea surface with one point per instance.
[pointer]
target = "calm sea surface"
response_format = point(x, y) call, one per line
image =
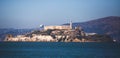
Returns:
point(59, 50)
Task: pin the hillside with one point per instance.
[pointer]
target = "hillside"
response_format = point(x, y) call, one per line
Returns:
point(107, 25)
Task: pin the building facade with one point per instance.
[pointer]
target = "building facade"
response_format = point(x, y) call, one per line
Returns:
point(63, 27)
point(66, 27)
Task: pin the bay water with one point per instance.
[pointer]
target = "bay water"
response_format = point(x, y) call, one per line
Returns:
point(59, 50)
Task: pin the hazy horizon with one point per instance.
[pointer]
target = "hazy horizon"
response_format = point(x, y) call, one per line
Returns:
point(32, 13)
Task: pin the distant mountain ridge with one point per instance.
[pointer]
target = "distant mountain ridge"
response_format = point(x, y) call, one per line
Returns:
point(107, 25)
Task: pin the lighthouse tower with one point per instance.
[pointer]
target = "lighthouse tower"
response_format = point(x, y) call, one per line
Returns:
point(70, 24)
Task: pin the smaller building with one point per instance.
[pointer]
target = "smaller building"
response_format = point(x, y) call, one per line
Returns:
point(87, 34)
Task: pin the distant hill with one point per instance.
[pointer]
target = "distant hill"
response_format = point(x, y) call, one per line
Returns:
point(107, 25)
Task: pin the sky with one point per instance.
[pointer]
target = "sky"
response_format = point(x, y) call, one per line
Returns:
point(32, 13)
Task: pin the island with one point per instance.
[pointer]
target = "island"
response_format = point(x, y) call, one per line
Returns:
point(60, 33)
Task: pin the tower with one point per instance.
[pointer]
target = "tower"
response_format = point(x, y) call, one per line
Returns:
point(70, 24)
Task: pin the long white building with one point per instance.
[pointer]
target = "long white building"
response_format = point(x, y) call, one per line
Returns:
point(65, 27)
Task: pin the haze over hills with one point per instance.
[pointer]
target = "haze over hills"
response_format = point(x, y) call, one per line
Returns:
point(107, 25)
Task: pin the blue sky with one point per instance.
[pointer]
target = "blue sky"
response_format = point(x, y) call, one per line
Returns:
point(32, 13)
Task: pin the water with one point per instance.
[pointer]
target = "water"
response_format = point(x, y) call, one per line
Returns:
point(59, 50)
